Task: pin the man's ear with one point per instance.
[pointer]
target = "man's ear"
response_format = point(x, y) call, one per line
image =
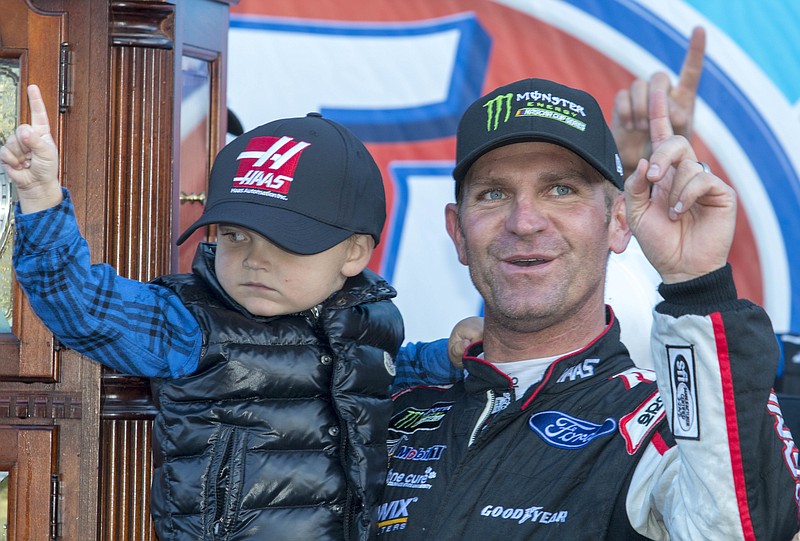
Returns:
point(619, 234)
point(454, 230)
point(359, 252)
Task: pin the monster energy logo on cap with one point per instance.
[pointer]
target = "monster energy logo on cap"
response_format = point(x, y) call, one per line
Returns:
point(565, 113)
point(537, 110)
point(494, 109)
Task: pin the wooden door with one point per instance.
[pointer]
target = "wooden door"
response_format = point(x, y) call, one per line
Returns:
point(75, 460)
point(49, 396)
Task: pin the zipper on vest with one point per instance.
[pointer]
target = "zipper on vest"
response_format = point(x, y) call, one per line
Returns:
point(487, 411)
point(221, 488)
point(344, 456)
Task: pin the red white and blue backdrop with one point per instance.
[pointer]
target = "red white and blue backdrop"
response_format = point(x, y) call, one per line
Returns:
point(399, 74)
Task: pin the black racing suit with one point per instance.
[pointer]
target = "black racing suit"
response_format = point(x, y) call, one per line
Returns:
point(588, 452)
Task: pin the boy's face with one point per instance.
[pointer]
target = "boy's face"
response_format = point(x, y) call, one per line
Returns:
point(269, 281)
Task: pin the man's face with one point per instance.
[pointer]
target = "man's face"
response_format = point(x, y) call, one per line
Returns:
point(535, 228)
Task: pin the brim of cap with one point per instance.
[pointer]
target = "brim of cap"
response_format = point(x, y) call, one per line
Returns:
point(289, 230)
point(461, 168)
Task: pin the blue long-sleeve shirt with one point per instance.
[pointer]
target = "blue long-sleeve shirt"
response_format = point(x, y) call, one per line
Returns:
point(134, 327)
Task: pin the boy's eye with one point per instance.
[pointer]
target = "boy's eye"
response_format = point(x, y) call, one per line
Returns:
point(232, 235)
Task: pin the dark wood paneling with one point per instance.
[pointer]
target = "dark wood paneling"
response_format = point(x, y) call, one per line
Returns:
point(125, 477)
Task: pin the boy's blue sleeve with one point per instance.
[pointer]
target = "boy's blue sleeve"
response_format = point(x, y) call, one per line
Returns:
point(425, 363)
point(136, 328)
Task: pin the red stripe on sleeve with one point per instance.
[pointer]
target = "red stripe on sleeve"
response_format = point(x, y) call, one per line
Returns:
point(659, 443)
point(732, 425)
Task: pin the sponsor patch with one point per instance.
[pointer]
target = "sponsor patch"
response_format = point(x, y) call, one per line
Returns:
point(538, 104)
point(266, 166)
point(634, 376)
point(553, 115)
point(581, 370)
point(501, 402)
point(523, 515)
point(635, 426)
point(567, 432)
point(423, 454)
point(410, 420)
point(685, 416)
point(410, 480)
point(393, 516)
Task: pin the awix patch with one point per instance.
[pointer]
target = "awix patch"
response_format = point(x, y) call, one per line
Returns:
point(393, 516)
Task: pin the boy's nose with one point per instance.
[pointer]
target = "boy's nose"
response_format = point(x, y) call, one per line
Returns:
point(260, 255)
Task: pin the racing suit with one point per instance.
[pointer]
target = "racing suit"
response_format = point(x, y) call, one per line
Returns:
point(597, 449)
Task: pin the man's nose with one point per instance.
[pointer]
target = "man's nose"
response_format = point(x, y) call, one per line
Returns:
point(526, 216)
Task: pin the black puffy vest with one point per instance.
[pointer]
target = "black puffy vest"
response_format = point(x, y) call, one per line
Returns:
point(281, 432)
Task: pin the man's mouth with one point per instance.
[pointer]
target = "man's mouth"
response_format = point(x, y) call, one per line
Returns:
point(532, 262)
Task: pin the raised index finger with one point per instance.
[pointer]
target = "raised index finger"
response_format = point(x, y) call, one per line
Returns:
point(660, 125)
point(39, 120)
point(686, 89)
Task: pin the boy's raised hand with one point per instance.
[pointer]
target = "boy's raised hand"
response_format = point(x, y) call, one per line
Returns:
point(30, 159)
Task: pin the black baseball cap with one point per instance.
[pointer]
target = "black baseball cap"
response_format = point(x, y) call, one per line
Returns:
point(537, 110)
point(304, 183)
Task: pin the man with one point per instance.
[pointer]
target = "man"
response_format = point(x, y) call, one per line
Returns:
point(630, 126)
point(555, 434)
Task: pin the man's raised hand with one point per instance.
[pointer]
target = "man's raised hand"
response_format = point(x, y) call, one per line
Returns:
point(682, 216)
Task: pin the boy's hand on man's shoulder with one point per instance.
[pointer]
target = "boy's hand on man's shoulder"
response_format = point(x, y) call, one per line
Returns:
point(30, 159)
point(466, 332)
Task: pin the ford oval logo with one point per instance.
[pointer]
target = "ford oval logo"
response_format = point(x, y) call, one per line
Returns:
point(568, 432)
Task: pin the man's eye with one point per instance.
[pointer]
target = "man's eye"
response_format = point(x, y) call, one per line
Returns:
point(561, 190)
point(493, 195)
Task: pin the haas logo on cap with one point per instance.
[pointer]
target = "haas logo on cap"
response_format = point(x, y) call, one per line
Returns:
point(266, 166)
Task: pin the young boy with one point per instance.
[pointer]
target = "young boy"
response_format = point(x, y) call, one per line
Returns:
point(272, 360)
